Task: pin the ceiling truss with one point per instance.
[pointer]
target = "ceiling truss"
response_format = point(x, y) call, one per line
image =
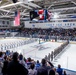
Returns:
point(63, 7)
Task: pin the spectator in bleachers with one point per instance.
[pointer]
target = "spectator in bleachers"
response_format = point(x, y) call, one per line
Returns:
point(1, 62)
point(29, 63)
point(21, 60)
point(32, 70)
point(25, 62)
point(59, 70)
point(7, 52)
point(64, 72)
point(37, 65)
point(15, 68)
point(51, 72)
point(11, 53)
point(55, 71)
point(43, 69)
point(5, 64)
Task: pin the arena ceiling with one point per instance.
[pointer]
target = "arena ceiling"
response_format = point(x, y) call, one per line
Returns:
point(63, 8)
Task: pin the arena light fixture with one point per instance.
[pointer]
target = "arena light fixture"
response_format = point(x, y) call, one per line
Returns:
point(55, 15)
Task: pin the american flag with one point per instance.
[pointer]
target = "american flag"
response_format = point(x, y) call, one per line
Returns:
point(17, 18)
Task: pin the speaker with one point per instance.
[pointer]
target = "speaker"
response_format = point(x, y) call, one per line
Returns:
point(14, 1)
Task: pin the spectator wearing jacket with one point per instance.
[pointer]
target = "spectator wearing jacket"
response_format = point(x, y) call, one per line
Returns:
point(59, 70)
point(55, 71)
point(1, 62)
point(29, 63)
point(43, 69)
point(64, 72)
point(21, 61)
point(32, 70)
point(51, 72)
point(37, 65)
point(5, 64)
point(15, 68)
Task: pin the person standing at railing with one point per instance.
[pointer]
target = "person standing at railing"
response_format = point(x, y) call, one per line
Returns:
point(42, 70)
point(15, 68)
point(51, 72)
point(56, 73)
point(59, 70)
point(64, 73)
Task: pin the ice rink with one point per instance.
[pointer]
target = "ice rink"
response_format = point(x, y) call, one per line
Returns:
point(38, 51)
point(67, 58)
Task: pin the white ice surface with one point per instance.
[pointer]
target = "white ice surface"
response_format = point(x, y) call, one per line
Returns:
point(67, 58)
point(38, 51)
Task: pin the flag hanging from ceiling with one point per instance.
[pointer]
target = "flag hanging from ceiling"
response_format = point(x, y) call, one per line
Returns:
point(49, 15)
point(17, 18)
point(41, 14)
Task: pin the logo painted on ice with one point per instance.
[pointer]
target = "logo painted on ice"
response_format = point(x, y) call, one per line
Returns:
point(40, 47)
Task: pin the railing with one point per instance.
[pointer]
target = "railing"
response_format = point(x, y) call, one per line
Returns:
point(70, 72)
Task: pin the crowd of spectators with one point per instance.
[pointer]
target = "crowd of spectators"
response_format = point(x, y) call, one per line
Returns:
point(59, 33)
point(12, 63)
point(62, 34)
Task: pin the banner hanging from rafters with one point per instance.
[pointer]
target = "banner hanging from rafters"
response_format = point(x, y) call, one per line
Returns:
point(17, 18)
